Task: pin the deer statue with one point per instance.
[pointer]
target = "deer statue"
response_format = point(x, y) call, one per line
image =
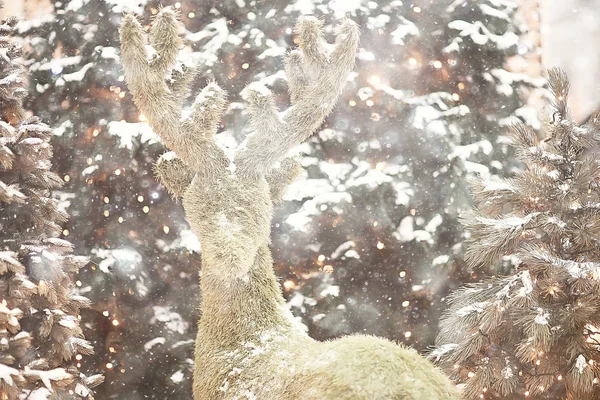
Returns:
point(248, 345)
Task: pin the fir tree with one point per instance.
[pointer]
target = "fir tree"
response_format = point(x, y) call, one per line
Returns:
point(143, 281)
point(40, 336)
point(533, 333)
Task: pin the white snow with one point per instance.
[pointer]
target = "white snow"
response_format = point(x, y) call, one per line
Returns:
point(123, 261)
point(342, 249)
point(478, 308)
point(130, 133)
point(62, 128)
point(440, 260)
point(441, 350)
point(405, 231)
point(125, 6)
point(173, 320)
point(151, 343)
point(6, 374)
point(178, 377)
point(581, 363)
point(331, 290)
point(75, 76)
point(480, 34)
point(218, 34)
point(542, 317)
point(405, 29)
point(301, 219)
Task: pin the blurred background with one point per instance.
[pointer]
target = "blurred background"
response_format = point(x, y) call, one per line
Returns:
point(369, 239)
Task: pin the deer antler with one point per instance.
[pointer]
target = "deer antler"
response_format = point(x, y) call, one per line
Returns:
point(160, 95)
point(316, 78)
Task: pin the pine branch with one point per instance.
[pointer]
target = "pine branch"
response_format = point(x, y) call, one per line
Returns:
point(539, 324)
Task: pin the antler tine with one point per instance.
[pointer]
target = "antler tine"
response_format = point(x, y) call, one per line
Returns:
point(173, 173)
point(280, 176)
point(316, 79)
point(165, 39)
point(199, 149)
point(147, 84)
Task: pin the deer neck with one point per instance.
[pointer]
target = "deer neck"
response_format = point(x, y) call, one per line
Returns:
point(237, 308)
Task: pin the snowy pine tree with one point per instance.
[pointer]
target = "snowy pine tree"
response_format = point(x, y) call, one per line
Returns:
point(41, 341)
point(142, 323)
point(533, 333)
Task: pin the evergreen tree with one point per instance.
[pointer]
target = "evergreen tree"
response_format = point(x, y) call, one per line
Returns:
point(533, 333)
point(143, 282)
point(41, 341)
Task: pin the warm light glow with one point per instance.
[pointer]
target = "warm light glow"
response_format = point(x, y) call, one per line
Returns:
point(78, 357)
point(109, 366)
point(461, 86)
point(380, 245)
point(527, 393)
point(191, 15)
point(455, 97)
point(370, 103)
point(402, 274)
point(321, 258)
point(289, 285)
point(437, 64)
point(375, 80)
point(140, 198)
point(106, 200)
point(405, 303)
point(407, 334)
point(471, 374)
point(412, 61)
point(65, 232)
point(166, 229)
point(245, 66)
point(142, 118)
point(328, 269)
point(351, 103)
point(118, 171)
point(120, 220)
point(115, 322)
point(67, 178)
point(559, 378)
point(417, 9)
point(146, 209)
point(105, 313)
